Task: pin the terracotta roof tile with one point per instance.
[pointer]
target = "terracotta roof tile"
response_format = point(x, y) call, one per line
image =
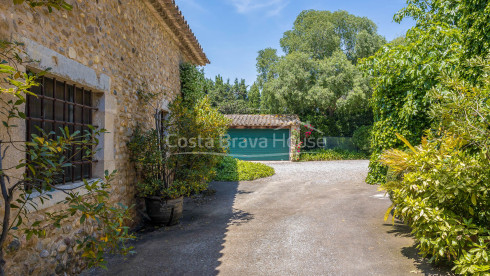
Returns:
point(245, 120)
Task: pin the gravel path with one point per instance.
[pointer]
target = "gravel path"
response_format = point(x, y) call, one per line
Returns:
point(311, 218)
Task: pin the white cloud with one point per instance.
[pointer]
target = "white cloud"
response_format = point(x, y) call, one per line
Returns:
point(272, 7)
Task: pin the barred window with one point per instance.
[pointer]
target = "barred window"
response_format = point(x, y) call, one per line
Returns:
point(59, 105)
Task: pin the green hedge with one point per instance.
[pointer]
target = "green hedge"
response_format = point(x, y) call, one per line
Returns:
point(332, 154)
point(232, 169)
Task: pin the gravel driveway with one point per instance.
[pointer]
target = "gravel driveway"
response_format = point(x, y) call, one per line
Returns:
point(311, 218)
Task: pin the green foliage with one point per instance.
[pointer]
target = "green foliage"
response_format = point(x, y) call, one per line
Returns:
point(109, 221)
point(318, 79)
point(203, 127)
point(149, 154)
point(447, 35)
point(331, 154)
point(229, 98)
point(322, 33)
point(330, 93)
point(362, 138)
point(472, 17)
point(254, 98)
point(265, 59)
point(179, 159)
point(402, 75)
point(192, 83)
point(441, 188)
point(232, 169)
point(49, 4)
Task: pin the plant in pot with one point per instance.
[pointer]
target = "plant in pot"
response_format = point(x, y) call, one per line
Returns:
point(178, 157)
point(153, 161)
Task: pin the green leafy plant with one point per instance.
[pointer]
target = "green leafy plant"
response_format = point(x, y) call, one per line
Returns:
point(232, 169)
point(109, 220)
point(317, 78)
point(446, 36)
point(362, 138)
point(153, 160)
point(331, 154)
point(178, 156)
point(441, 187)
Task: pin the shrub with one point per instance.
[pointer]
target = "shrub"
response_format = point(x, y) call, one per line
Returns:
point(170, 168)
point(232, 169)
point(206, 126)
point(362, 138)
point(441, 188)
point(331, 154)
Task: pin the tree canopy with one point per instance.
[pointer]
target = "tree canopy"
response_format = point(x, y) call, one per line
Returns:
point(321, 33)
point(317, 78)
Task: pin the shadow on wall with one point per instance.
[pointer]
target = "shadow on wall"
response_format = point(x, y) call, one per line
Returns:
point(191, 248)
point(411, 252)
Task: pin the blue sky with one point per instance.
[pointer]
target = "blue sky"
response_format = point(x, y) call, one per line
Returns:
point(232, 31)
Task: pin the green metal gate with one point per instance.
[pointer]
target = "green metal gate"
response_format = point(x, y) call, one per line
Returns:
point(259, 144)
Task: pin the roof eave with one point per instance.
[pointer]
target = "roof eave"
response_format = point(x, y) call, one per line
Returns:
point(169, 12)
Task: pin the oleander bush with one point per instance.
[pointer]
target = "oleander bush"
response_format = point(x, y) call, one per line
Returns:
point(232, 169)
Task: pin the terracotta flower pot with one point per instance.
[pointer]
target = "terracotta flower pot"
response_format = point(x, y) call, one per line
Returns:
point(164, 211)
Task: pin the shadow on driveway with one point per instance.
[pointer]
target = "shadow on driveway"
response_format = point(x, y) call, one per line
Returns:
point(313, 218)
point(191, 248)
point(398, 229)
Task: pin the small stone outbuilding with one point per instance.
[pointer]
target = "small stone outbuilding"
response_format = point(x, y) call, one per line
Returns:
point(263, 137)
point(100, 54)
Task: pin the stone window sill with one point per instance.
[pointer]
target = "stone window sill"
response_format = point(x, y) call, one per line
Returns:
point(57, 196)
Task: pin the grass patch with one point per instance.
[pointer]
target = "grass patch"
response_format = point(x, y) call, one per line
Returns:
point(232, 169)
point(332, 154)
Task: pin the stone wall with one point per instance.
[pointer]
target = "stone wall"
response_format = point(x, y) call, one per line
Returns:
point(295, 133)
point(113, 47)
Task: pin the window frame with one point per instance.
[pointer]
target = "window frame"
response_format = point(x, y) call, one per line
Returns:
point(71, 108)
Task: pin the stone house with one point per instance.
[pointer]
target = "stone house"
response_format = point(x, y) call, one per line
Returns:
point(100, 54)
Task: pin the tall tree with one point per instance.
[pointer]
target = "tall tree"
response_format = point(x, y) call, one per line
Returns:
point(332, 88)
point(317, 78)
point(228, 98)
point(265, 59)
point(254, 98)
point(321, 33)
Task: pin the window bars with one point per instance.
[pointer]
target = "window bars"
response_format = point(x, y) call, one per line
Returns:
point(59, 105)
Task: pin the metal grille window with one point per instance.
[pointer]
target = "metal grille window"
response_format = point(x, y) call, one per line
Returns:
point(59, 105)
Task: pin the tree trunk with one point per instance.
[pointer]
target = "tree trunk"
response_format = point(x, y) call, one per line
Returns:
point(6, 215)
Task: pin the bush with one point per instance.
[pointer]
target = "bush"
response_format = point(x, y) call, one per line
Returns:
point(441, 188)
point(169, 168)
point(331, 154)
point(362, 138)
point(232, 169)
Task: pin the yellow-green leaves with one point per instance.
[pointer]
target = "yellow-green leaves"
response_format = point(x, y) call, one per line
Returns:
point(406, 142)
point(473, 199)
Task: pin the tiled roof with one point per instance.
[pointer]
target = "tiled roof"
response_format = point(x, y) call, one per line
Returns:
point(245, 120)
point(170, 13)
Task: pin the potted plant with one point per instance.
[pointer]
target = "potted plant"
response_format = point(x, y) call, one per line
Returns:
point(167, 169)
point(154, 164)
